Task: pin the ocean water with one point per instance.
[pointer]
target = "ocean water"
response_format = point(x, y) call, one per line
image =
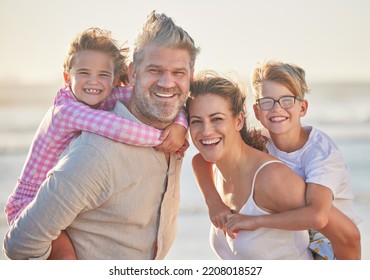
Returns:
point(342, 111)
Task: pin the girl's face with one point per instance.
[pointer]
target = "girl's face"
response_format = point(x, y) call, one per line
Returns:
point(213, 127)
point(91, 78)
point(278, 120)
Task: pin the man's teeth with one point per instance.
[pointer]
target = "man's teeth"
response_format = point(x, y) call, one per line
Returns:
point(211, 141)
point(164, 95)
point(278, 119)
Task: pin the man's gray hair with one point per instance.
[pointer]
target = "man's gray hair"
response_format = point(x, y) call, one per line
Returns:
point(159, 29)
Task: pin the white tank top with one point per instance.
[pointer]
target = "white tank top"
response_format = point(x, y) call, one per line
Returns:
point(263, 243)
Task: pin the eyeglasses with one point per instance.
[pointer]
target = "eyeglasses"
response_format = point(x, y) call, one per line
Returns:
point(285, 102)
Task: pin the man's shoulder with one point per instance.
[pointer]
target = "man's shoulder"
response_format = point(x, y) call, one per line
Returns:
point(92, 139)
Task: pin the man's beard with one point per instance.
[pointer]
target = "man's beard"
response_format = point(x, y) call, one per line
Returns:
point(158, 111)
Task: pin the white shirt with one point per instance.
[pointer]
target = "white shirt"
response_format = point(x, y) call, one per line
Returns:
point(321, 162)
point(262, 243)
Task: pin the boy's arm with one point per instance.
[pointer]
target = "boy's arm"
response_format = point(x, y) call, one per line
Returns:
point(62, 248)
point(203, 173)
point(313, 216)
point(319, 214)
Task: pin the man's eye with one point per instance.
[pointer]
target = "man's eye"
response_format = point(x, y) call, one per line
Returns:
point(154, 71)
point(179, 73)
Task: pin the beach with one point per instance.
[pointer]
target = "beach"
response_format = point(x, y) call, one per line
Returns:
point(349, 126)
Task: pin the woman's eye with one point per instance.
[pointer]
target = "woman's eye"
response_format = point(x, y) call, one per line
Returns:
point(216, 119)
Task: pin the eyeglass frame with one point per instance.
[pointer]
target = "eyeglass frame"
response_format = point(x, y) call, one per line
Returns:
point(278, 101)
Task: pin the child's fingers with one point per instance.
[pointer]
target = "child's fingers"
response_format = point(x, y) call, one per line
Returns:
point(164, 135)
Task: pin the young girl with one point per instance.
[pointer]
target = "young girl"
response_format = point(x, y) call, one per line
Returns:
point(92, 69)
point(279, 90)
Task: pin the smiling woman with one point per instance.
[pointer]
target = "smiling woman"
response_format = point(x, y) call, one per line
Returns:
point(249, 181)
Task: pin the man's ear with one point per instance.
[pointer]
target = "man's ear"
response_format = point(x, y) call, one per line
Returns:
point(131, 73)
point(256, 112)
point(67, 79)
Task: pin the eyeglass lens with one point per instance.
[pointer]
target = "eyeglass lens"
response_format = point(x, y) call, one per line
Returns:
point(268, 103)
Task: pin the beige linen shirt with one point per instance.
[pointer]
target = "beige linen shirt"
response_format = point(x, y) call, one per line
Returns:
point(116, 201)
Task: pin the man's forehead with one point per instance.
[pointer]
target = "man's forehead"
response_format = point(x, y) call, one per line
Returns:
point(166, 57)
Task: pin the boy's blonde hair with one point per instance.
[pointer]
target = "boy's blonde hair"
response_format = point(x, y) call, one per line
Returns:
point(289, 75)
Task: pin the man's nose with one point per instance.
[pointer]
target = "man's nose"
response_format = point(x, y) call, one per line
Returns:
point(166, 80)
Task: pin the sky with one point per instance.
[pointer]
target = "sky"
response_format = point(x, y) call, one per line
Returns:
point(330, 39)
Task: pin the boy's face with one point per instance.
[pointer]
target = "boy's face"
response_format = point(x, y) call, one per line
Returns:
point(279, 120)
point(91, 77)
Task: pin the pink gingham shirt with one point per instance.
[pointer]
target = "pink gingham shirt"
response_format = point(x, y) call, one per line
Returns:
point(64, 120)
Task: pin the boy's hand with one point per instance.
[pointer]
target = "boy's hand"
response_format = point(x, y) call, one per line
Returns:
point(173, 138)
point(237, 221)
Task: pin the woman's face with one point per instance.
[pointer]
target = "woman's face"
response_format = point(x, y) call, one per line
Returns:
point(213, 127)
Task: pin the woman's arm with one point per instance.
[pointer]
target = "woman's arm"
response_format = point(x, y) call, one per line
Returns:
point(203, 173)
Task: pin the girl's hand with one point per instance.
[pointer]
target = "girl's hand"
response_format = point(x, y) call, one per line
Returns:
point(173, 138)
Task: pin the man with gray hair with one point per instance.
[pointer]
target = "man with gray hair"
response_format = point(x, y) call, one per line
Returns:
point(114, 200)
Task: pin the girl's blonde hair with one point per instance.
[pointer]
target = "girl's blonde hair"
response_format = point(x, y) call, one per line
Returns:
point(96, 39)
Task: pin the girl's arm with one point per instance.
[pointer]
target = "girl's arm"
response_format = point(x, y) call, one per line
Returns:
point(172, 138)
point(203, 173)
point(76, 116)
point(124, 94)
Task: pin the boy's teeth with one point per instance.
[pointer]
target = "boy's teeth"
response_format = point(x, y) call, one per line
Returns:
point(278, 119)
